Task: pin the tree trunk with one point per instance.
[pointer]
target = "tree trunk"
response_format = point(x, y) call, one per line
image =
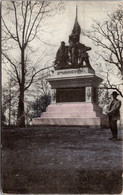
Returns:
point(9, 114)
point(122, 70)
point(10, 105)
point(21, 114)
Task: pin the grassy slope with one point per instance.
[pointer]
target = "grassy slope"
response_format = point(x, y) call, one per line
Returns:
point(60, 160)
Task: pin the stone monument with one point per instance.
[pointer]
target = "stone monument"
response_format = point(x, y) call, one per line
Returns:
point(74, 87)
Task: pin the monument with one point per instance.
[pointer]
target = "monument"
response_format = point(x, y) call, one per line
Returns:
point(74, 87)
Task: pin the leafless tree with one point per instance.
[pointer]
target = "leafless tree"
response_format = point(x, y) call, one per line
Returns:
point(108, 37)
point(107, 84)
point(111, 79)
point(9, 102)
point(25, 19)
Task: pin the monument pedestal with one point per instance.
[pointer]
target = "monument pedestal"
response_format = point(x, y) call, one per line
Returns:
point(74, 99)
point(76, 114)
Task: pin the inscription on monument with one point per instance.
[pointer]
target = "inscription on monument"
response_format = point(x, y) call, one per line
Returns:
point(75, 71)
point(70, 95)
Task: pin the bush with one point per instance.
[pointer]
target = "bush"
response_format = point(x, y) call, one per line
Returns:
point(40, 105)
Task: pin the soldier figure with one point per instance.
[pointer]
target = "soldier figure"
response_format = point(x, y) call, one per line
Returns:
point(61, 56)
point(73, 39)
point(83, 55)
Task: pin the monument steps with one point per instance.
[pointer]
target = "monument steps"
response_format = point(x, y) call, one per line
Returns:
point(67, 121)
point(69, 114)
point(73, 107)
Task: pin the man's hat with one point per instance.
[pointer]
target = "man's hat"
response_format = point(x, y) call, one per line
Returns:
point(115, 93)
point(62, 42)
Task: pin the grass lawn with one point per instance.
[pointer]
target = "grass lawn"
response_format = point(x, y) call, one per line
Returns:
point(62, 160)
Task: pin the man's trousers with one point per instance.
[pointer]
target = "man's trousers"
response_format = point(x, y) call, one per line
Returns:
point(113, 127)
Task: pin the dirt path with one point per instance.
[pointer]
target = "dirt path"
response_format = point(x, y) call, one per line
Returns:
point(60, 160)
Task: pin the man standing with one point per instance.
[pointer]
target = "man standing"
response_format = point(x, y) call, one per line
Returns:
point(114, 115)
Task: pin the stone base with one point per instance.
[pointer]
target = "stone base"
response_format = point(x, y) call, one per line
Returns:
point(76, 114)
point(73, 78)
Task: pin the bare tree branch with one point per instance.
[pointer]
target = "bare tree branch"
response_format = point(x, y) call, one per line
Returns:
point(24, 26)
point(109, 37)
point(9, 59)
point(16, 20)
point(34, 21)
point(11, 35)
point(33, 75)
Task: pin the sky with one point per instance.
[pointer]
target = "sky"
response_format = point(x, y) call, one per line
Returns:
point(87, 12)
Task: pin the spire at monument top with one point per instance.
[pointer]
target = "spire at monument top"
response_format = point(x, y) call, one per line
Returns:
point(76, 28)
point(76, 12)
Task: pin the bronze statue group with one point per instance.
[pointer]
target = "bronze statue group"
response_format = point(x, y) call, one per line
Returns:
point(73, 56)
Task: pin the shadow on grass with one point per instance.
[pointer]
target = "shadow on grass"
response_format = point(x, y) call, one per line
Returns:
point(100, 182)
point(59, 181)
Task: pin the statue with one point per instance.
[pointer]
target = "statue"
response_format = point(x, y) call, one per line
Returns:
point(73, 39)
point(83, 55)
point(62, 56)
point(75, 54)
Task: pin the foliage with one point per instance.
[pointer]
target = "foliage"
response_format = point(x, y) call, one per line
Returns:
point(40, 105)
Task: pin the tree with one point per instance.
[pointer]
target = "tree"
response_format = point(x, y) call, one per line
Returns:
point(9, 102)
point(40, 93)
point(108, 37)
point(22, 29)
